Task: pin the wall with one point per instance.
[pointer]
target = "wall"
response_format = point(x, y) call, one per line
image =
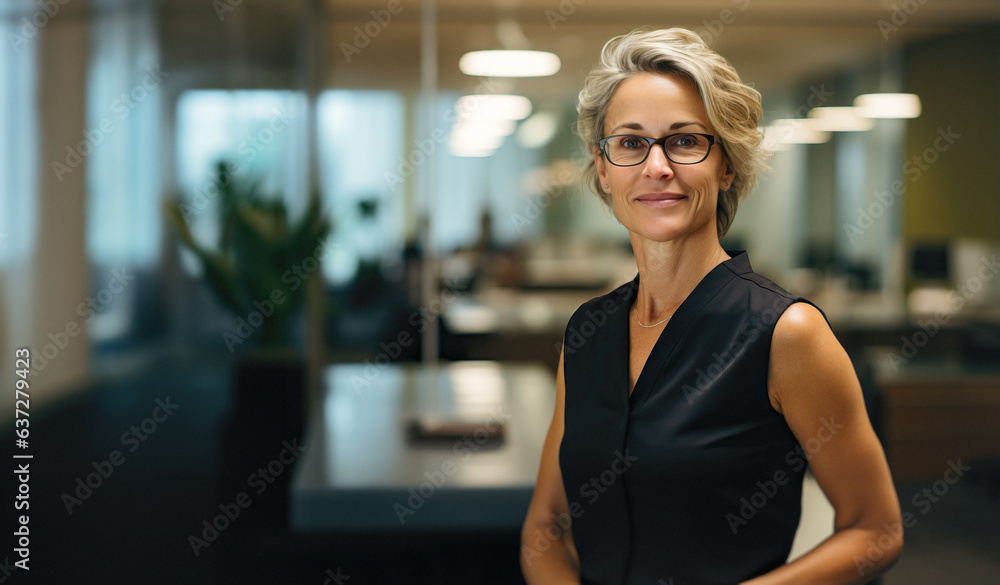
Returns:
point(952, 183)
point(42, 296)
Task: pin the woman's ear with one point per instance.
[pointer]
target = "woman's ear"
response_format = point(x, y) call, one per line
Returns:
point(728, 176)
point(602, 172)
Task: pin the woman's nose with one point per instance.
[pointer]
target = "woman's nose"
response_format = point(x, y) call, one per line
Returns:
point(657, 163)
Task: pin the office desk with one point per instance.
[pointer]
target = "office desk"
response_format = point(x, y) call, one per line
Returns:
point(937, 410)
point(360, 473)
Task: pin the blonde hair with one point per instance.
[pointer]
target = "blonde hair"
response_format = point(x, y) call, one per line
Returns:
point(733, 107)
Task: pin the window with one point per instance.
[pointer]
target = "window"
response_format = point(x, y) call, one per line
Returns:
point(361, 140)
point(18, 143)
point(124, 92)
point(261, 132)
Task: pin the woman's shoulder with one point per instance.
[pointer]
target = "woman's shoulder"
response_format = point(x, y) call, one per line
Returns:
point(610, 302)
point(756, 283)
point(765, 295)
point(591, 319)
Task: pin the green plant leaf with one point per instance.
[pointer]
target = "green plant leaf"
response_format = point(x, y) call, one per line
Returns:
point(216, 269)
point(257, 247)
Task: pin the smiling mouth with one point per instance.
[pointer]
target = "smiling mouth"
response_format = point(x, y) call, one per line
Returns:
point(661, 199)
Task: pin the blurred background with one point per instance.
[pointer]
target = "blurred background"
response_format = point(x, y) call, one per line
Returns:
point(207, 206)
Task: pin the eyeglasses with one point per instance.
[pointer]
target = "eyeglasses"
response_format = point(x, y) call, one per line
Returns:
point(628, 150)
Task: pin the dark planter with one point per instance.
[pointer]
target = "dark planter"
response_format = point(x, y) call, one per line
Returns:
point(267, 415)
point(269, 394)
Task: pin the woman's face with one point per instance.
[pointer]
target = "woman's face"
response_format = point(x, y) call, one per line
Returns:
point(658, 199)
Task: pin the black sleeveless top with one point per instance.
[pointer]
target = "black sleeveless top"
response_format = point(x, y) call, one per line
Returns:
point(694, 477)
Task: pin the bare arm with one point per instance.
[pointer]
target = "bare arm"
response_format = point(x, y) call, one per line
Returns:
point(548, 555)
point(812, 383)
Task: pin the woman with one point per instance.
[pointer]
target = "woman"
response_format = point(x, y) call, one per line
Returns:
point(691, 399)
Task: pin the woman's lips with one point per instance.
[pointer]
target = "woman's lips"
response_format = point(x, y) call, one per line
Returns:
point(660, 199)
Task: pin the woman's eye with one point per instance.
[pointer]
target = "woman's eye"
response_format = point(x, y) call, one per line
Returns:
point(684, 140)
point(632, 143)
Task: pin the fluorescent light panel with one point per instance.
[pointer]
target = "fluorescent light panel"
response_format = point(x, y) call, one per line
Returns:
point(839, 119)
point(888, 105)
point(509, 63)
point(502, 106)
point(470, 152)
point(537, 130)
point(483, 122)
point(486, 126)
point(795, 131)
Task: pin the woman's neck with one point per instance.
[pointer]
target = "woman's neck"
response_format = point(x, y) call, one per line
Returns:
point(669, 271)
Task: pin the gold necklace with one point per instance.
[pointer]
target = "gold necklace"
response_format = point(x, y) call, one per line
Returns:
point(654, 324)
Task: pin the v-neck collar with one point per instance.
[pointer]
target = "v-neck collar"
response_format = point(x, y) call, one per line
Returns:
point(677, 326)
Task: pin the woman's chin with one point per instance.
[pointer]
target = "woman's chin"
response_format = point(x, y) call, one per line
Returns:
point(660, 230)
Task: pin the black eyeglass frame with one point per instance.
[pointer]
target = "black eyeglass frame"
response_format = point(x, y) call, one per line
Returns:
point(653, 141)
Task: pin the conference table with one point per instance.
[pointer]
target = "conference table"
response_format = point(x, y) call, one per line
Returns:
point(408, 447)
point(362, 472)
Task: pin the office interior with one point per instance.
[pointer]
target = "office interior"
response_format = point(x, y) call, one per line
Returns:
point(252, 255)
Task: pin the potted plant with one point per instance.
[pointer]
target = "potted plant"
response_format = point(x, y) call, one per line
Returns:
point(256, 271)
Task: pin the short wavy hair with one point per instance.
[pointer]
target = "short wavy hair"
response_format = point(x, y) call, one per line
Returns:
point(733, 107)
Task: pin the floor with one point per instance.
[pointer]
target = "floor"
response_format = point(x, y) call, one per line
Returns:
point(135, 522)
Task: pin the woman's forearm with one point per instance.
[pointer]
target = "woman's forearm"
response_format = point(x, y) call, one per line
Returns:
point(851, 556)
point(548, 561)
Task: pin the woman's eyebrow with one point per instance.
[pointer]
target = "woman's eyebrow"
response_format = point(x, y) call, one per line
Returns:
point(677, 125)
point(638, 126)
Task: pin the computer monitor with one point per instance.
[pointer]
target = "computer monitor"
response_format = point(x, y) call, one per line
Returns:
point(929, 262)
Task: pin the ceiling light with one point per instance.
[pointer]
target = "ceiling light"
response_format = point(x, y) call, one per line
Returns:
point(485, 126)
point(470, 140)
point(470, 152)
point(509, 63)
point(537, 130)
point(467, 140)
point(839, 119)
point(795, 131)
point(888, 105)
point(504, 107)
